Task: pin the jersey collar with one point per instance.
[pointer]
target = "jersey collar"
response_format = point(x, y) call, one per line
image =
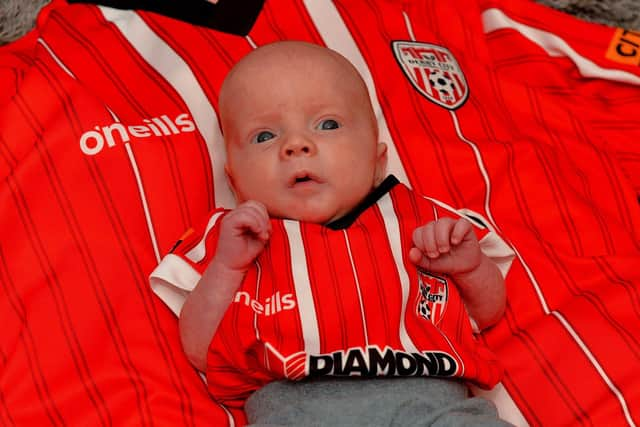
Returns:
point(230, 16)
point(371, 199)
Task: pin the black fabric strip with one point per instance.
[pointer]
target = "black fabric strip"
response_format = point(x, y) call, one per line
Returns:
point(230, 16)
point(382, 189)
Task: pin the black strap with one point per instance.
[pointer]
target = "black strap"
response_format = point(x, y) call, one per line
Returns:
point(346, 221)
point(230, 16)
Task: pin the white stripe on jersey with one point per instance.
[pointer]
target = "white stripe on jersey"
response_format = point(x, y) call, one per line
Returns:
point(495, 19)
point(336, 36)
point(132, 160)
point(409, 26)
point(307, 309)
point(232, 421)
point(251, 42)
point(255, 314)
point(178, 74)
point(199, 251)
point(55, 58)
point(141, 191)
point(355, 277)
point(143, 199)
point(481, 166)
point(393, 231)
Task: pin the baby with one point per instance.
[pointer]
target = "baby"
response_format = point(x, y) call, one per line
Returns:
point(328, 268)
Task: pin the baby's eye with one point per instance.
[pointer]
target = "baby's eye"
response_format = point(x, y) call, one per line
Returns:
point(328, 124)
point(263, 136)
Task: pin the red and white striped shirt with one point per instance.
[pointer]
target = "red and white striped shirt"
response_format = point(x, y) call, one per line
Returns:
point(338, 300)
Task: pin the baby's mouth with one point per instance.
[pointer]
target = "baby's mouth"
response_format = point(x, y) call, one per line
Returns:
point(302, 177)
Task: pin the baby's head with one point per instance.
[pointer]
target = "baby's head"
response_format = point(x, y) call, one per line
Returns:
point(300, 133)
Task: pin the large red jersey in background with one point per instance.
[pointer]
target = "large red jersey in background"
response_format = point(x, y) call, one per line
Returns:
point(110, 148)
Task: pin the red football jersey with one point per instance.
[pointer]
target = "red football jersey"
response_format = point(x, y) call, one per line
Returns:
point(338, 300)
point(110, 148)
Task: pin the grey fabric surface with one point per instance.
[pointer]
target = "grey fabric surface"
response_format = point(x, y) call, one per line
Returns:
point(17, 16)
point(377, 402)
point(617, 13)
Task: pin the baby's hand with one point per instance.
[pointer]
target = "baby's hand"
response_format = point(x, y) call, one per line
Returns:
point(244, 232)
point(447, 246)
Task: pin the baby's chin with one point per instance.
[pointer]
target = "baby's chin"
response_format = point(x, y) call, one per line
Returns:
point(316, 219)
point(311, 215)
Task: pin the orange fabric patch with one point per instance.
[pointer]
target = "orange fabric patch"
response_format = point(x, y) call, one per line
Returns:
point(625, 47)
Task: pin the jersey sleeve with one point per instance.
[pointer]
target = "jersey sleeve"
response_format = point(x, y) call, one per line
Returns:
point(491, 243)
point(179, 271)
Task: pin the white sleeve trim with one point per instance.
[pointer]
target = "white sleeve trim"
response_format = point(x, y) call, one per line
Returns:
point(172, 280)
point(498, 250)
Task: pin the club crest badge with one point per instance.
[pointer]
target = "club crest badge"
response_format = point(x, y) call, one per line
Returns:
point(433, 71)
point(433, 294)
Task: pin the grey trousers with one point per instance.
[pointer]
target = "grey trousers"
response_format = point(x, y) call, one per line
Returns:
point(388, 402)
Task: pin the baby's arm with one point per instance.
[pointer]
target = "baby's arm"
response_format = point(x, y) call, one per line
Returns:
point(450, 246)
point(244, 232)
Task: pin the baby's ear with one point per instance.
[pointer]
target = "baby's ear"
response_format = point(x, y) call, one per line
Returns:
point(381, 163)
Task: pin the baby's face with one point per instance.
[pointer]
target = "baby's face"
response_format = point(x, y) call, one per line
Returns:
point(301, 139)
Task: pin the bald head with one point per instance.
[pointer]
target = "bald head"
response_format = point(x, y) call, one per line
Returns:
point(280, 61)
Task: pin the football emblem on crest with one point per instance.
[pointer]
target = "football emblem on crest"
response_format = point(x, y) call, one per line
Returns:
point(433, 294)
point(433, 71)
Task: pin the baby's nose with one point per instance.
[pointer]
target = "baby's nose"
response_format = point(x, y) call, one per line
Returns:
point(298, 145)
point(297, 149)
